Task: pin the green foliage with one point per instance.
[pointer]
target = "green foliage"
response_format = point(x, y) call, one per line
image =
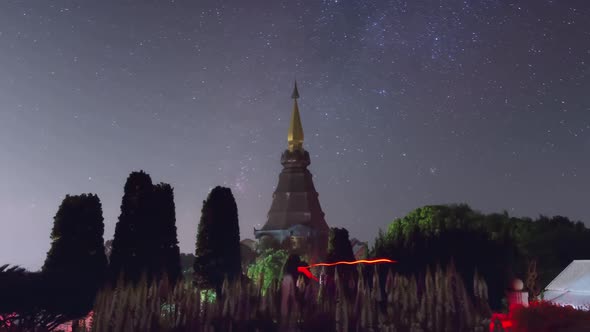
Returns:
point(552, 242)
point(443, 234)
point(217, 253)
point(208, 296)
point(269, 265)
point(497, 245)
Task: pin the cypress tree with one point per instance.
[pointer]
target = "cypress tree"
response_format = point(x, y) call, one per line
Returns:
point(77, 237)
point(130, 255)
point(166, 255)
point(340, 249)
point(76, 263)
point(218, 240)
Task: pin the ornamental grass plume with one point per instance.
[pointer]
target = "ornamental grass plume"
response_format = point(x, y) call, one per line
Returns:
point(341, 311)
point(413, 298)
point(361, 317)
point(481, 295)
point(450, 310)
point(435, 302)
point(439, 302)
point(428, 300)
point(376, 289)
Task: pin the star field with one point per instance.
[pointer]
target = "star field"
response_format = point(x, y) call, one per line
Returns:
point(403, 103)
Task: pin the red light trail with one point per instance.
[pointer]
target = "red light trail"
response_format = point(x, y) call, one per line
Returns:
point(305, 269)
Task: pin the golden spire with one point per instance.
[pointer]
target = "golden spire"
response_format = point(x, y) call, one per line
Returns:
point(295, 136)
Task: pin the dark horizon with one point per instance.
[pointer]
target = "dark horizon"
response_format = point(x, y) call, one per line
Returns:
point(402, 105)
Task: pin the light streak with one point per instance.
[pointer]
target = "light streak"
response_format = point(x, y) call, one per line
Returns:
point(305, 269)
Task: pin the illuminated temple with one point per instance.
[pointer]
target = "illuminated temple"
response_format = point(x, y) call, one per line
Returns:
point(295, 221)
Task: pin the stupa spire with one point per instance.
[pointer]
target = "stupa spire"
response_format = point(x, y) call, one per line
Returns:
point(295, 220)
point(295, 135)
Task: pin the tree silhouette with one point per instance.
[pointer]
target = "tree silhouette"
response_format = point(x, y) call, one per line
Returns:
point(145, 239)
point(569, 240)
point(166, 255)
point(76, 262)
point(443, 235)
point(27, 301)
point(340, 249)
point(130, 256)
point(218, 240)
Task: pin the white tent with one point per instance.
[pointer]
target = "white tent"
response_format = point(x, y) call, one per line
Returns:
point(571, 286)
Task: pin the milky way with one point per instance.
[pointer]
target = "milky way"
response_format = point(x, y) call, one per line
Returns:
point(403, 103)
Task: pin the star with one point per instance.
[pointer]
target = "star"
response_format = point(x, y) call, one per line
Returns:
point(392, 93)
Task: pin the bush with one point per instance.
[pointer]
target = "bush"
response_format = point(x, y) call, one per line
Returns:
point(269, 267)
point(544, 316)
point(27, 301)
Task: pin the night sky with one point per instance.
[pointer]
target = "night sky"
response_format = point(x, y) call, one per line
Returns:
point(403, 103)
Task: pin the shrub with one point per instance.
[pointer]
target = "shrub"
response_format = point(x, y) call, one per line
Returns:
point(543, 316)
point(268, 267)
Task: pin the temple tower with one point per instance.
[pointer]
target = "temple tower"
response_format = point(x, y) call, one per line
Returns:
point(295, 221)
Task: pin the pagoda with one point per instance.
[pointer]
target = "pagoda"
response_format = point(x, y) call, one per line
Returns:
point(295, 221)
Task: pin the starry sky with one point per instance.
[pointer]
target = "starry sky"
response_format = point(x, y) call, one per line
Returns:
point(403, 103)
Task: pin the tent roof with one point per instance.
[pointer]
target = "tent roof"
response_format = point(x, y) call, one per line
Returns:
point(575, 277)
point(571, 286)
point(576, 299)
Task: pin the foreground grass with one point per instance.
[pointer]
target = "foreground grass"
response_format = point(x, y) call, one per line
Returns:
point(443, 304)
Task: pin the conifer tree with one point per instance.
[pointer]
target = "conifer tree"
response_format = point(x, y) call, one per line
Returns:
point(340, 249)
point(218, 240)
point(129, 255)
point(77, 237)
point(76, 262)
point(166, 255)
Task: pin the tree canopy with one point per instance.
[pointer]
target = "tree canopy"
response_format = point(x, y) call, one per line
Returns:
point(340, 249)
point(166, 254)
point(217, 253)
point(77, 238)
point(497, 245)
point(434, 235)
point(145, 238)
point(76, 263)
point(269, 264)
point(129, 256)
